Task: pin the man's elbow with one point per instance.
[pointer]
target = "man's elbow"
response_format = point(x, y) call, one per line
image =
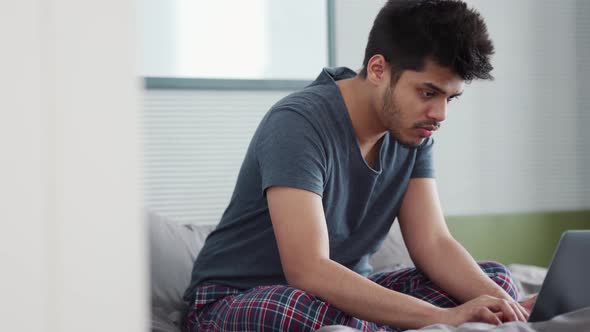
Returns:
point(303, 275)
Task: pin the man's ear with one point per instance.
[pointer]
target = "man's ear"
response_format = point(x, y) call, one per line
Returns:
point(378, 69)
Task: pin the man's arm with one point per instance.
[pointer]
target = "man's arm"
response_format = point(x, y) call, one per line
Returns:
point(302, 238)
point(437, 253)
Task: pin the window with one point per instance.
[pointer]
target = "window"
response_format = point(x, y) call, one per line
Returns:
point(232, 39)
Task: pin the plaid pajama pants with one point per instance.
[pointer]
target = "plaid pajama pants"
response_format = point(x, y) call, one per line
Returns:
point(283, 308)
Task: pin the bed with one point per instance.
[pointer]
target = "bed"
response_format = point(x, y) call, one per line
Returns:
point(173, 248)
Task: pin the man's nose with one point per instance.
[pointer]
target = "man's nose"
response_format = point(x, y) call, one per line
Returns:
point(439, 111)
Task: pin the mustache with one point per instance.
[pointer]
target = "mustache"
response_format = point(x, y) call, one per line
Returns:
point(428, 123)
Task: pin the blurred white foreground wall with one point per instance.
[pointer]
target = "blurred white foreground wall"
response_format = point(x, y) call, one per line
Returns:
point(72, 252)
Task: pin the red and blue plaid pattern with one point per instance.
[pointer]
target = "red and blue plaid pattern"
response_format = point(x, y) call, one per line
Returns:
point(284, 308)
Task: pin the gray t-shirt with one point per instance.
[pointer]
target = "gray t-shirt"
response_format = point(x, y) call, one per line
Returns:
point(307, 141)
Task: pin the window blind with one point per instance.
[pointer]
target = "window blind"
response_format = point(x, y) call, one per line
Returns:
point(194, 144)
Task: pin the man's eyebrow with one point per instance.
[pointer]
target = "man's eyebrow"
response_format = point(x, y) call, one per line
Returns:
point(441, 90)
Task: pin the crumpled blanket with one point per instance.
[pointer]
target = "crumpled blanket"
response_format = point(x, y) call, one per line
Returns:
point(575, 321)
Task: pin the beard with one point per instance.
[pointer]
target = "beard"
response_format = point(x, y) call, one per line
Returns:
point(392, 117)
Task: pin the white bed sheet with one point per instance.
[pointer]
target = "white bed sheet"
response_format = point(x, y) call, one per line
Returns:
point(576, 321)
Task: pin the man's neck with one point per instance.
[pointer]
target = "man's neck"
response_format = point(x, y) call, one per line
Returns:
point(361, 106)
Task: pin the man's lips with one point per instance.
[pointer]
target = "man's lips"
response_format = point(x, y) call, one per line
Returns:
point(426, 131)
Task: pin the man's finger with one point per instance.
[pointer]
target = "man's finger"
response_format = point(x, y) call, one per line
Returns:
point(509, 313)
point(524, 311)
point(519, 311)
point(504, 306)
point(487, 316)
point(529, 303)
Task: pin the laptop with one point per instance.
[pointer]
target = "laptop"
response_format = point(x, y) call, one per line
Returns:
point(567, 284)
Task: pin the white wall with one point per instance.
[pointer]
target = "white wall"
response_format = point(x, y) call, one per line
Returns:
point(24, 202)
point(353, 20)
point(72, 244)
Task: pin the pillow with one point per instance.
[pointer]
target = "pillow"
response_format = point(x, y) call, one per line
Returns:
point(173, 248)
point(393, 254)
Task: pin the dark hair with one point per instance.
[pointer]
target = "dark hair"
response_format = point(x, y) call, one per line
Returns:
point(408, 32)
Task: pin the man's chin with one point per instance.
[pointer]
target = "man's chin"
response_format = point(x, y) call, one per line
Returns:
point(412, 144)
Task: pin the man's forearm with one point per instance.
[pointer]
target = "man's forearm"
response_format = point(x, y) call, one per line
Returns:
point(453, 269)
point(365, 299)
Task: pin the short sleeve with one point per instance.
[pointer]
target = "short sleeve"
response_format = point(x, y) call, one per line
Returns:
point(290, 153)
point(424, 164)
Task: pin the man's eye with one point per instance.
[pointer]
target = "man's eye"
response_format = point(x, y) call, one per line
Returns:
point(428, 94)
point(452, 98)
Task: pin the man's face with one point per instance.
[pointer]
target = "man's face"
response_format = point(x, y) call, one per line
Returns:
point(416, 105)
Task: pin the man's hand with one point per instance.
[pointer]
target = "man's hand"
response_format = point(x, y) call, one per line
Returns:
point(487, 309)
point(529, 303)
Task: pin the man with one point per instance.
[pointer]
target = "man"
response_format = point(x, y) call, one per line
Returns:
point(327, 172)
